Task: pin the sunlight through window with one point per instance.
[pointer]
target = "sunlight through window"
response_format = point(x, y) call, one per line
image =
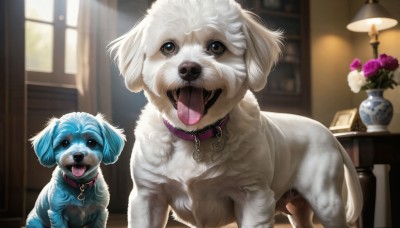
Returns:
point(51, 41)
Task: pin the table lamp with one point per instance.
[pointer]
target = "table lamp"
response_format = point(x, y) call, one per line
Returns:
point(372, 18)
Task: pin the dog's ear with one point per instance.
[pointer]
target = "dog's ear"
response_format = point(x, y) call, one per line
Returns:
point(114, 140)
point(129, 56)
point(43, 144)
point(263, 50)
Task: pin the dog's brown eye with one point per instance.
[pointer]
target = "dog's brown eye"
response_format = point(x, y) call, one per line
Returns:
point(216, 48)
point(65, 143)
point(168, 48)
point(91, 143)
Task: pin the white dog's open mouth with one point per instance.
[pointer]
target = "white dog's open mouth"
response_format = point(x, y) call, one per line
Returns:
point(78, 169)
point(192, 103)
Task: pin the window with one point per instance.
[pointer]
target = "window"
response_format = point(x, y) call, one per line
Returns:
point(51, 41)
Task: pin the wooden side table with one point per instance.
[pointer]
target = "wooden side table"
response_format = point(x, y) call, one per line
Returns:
point(366, 150)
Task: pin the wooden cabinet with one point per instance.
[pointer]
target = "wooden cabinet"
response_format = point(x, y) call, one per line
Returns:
point(288, 87)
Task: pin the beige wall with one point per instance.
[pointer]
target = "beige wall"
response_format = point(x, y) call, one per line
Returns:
point(330, 53)
point(333, 47)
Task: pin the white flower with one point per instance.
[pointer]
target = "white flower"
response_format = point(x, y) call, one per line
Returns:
point(356, 80)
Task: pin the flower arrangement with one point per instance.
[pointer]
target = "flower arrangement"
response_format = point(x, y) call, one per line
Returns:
point(380, 73)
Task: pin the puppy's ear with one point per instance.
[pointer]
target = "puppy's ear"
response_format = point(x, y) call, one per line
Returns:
point(43, 144)
point(263, 50)
point(129, 56)
point(114, 140)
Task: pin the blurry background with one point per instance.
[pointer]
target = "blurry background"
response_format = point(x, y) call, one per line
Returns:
point(54, 60)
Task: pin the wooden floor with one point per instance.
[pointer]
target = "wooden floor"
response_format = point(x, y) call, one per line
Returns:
point(120, 221)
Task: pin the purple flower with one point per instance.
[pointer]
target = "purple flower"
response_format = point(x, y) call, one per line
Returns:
point(388, 62)
point(371, 68)
point(356, 64)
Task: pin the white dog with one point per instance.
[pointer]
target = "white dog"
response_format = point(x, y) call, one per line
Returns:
point(203, 148)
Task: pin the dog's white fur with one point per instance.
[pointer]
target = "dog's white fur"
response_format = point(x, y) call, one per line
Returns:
point(266, 154)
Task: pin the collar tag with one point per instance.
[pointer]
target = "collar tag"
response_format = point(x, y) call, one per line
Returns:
point(81, 187)
point(197, 155)
point(81, 196)
point(212, 131)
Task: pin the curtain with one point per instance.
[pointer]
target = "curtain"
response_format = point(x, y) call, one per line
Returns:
point(96, 23)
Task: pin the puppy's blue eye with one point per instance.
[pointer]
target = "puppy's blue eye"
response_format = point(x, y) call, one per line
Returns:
point(169, 48)
point(91, 143)
point(216, 48)
point(65, 143)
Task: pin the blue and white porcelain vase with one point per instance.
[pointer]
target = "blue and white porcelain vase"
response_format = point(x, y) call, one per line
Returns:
point(376, 112)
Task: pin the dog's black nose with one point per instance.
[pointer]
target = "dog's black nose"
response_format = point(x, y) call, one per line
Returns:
point(189, 71)
point(78, 157)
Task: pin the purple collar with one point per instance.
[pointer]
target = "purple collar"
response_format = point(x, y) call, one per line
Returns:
point(203, 134)
point(73, 184)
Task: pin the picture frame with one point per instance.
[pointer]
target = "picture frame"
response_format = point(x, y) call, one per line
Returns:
point(346, 120)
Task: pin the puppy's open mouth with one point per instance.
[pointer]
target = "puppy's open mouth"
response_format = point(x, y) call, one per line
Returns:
point(78, 169)
point(192, 103)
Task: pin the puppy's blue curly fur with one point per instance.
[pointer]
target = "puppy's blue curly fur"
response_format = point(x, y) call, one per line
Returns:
point(76, 141)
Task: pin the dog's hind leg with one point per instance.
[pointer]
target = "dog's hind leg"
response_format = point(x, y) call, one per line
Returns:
point(331, 212)
point(321, 186)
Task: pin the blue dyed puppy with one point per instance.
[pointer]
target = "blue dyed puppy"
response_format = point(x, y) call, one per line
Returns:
point(77, 194)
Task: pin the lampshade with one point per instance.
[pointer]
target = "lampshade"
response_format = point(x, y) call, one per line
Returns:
point(372, 13)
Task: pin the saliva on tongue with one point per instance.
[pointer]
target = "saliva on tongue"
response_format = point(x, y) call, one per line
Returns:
point(190, 105)
point(78, 170)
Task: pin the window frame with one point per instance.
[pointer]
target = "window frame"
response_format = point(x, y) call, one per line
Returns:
point(57, 77)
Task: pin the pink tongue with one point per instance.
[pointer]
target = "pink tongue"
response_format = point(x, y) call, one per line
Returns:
point(78, 171)
point(190, 105)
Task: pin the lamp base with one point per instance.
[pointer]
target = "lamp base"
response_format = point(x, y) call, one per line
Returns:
point(375, 45)
point(373, 35)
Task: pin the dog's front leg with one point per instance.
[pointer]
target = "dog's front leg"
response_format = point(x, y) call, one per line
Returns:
point(255, 208)
point(100, 220)
point(56, 219)
point(147, 210)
